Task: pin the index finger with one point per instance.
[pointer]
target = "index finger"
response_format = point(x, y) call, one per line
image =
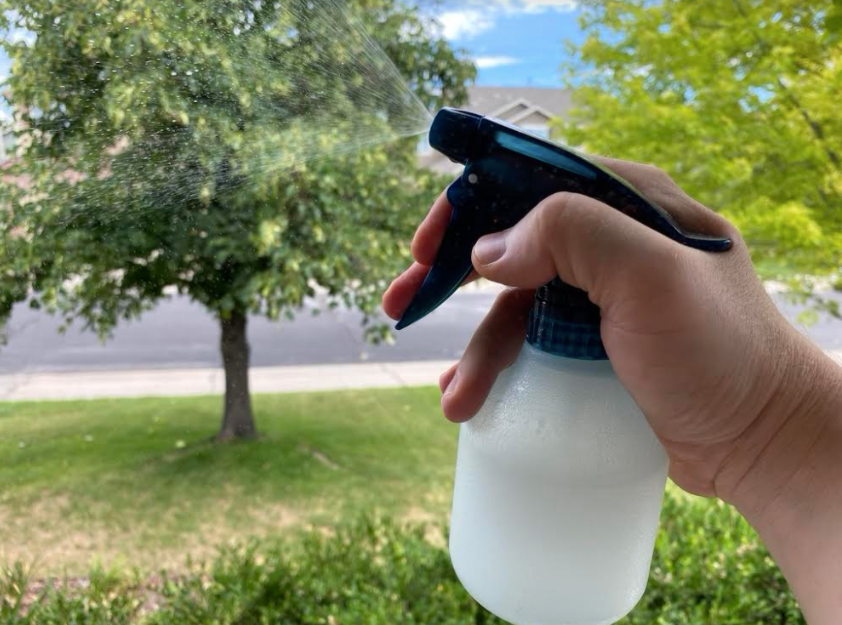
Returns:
point(430, 233)
point(661, 189)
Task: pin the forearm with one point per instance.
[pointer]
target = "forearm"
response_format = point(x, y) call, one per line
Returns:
point(792, 493)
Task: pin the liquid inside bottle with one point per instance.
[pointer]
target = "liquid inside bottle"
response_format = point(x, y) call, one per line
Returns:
point(558, 489)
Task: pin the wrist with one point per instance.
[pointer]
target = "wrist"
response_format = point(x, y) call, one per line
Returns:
point(802, 409)
point(786, 480)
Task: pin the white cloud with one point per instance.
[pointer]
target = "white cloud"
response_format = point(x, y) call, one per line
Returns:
point(486, 62)
point(537, 6)
point(478, 16)
point(465, 23)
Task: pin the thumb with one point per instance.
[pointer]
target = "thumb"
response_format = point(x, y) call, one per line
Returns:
point(587, 243)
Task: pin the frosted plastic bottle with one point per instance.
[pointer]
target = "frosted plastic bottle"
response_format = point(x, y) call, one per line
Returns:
point(559, 481)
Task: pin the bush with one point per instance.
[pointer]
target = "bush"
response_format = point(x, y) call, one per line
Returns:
point(709, 568)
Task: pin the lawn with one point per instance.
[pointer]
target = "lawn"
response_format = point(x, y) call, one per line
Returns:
point(136, 484)
point(139, 482)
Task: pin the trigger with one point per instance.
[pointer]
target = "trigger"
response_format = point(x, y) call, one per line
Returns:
point(457, 193)
point(453, 259)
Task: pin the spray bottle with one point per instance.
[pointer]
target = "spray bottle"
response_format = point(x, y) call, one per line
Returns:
point(559, 477)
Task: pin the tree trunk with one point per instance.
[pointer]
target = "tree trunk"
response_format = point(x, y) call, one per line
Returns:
point(238, 420)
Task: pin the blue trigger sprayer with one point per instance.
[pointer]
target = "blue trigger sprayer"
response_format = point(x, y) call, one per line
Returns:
point(559, 477)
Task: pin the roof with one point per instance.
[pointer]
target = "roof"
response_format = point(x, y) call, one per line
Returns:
point(489, 100)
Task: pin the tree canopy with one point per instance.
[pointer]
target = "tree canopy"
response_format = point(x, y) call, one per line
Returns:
point(242, 152)
point(737, 100)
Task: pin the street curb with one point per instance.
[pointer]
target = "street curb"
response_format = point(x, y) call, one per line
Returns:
point(187, 382)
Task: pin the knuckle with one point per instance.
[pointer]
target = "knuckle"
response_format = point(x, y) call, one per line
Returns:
point(509, 297)
point(506, 295)
point(510, 310)
point(550, 213)
point(660, 177)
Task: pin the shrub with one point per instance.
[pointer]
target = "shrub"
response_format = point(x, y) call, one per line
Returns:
point(709, 568)
point(103, 598)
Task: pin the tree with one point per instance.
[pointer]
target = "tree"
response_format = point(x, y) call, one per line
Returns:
point(738, 100)
point(158, 149)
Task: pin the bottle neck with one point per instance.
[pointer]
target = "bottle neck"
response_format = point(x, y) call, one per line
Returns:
point(564, 322)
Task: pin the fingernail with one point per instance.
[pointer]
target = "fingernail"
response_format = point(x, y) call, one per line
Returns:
point(490, 248)
point(452, 385)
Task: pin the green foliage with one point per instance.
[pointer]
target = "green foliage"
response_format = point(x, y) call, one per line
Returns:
point(158, 143)
point(833, 20)
point(708, 568)
point(373, 572)
point(103, 598)
point(737, 100)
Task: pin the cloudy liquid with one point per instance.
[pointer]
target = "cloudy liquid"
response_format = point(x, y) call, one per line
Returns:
point(558, 489)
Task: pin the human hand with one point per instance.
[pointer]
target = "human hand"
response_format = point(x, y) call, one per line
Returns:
point(693, 336)
point(747, 408)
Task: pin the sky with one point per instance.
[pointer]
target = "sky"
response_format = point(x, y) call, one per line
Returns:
point(513, 42)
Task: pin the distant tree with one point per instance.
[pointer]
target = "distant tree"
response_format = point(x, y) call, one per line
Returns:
point(833, 20)
point(738, 100)
point(157, 152)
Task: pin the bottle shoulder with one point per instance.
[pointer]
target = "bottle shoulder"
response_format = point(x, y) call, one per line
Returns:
point(540, 386)
point(570, 415)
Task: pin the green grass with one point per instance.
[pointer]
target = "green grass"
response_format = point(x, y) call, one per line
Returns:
point(139, 480)
point(137, 484)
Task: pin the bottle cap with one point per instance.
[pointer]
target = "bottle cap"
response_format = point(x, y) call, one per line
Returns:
point(564, 322)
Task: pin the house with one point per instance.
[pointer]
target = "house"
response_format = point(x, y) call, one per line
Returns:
point(530, 108)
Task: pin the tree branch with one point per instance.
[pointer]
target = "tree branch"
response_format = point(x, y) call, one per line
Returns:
point(815, 126)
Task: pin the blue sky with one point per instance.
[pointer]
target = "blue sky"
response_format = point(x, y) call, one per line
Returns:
point(514, 42)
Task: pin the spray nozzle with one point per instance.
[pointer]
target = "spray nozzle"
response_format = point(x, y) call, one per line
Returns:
point(507, 173)
point(453, 133)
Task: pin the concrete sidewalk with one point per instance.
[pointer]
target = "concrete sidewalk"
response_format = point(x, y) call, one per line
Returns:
point(178, 382)
point(174, 382)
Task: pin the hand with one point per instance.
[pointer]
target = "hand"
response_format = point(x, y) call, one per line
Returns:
point(746, 407)
point(692, 335)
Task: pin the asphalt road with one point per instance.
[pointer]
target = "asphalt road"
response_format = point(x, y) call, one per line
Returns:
point(181, 334)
